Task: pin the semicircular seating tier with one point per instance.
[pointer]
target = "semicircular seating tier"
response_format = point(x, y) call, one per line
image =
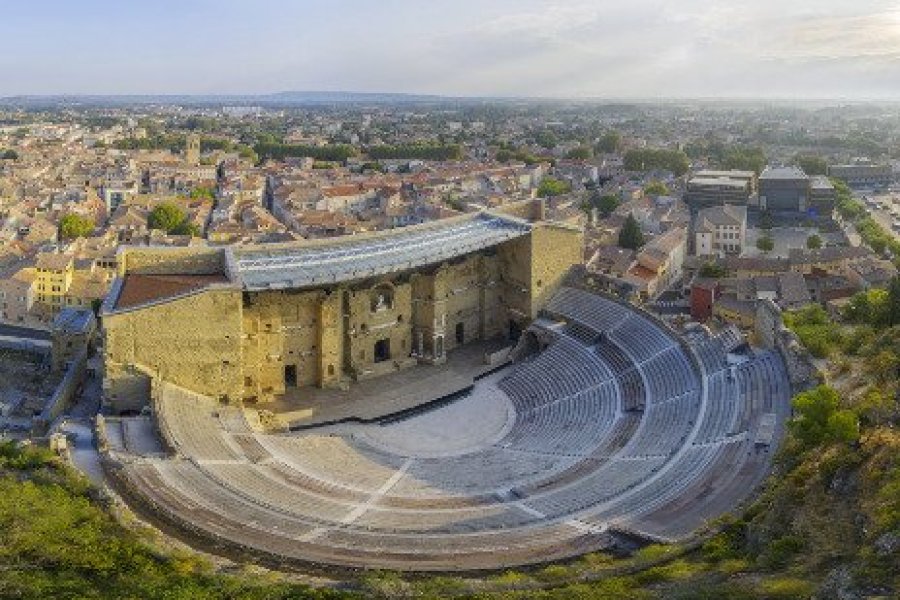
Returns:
point(612, 427)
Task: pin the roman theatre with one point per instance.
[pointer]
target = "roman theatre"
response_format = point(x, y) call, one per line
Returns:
point(440, 397)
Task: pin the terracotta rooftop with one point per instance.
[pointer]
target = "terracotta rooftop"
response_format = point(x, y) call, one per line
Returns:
point(140, 289)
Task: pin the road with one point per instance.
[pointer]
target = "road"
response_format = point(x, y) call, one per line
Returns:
point(78, 427)
point(82, 449)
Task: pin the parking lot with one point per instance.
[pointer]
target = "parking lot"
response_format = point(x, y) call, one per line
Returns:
point(787, 238)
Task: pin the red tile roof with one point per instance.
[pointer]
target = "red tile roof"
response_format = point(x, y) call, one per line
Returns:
point(140, 289)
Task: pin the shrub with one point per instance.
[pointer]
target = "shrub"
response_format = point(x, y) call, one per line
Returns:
point(719, 547)
point(553, 187)
point(554, 574)
point(656, 188)
point(780, 551)
point(818, 420)
point(786, 588)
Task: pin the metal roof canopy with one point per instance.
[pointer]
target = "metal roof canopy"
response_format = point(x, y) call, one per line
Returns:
point(348, 259)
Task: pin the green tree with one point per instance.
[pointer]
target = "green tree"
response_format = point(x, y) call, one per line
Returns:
point(745, 158)
point(893, 303)
point(580, 153)
point(372, 166)
point(818, 419)
point(848, 208)
point(9, 155)
point(334, 152)
point(871, 307)
point(713, 270)
point(814, 328)
point(166, 216)
point(203, 192)
point(656, 188)
point(247, 153)
point(421, 151)
point(765, 243)
point(546, 139)
point(631, 236)
point(876, 407)
point(657, 159)
point(73, 226)
point(814, 242)
point(604, 203)
point(609, 142)
point(551, 186)
point(58, 541)
point(504, 155)
point(186, 228)
point(811, 165)
point(885, 366)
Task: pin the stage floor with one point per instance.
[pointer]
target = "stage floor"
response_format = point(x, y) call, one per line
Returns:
point(388, 394)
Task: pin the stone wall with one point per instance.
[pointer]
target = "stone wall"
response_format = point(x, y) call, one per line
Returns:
point(515, 276)
point(534, 267)
point(64, 395)
point(554, 250)
point(324, 337)
point(193, 341)
point(528, 210)
point(225, 343)
point(280, 329)
point(125, 387)
point(378, 315)
point(772, 334)
point(331, 339)
point(194, 260)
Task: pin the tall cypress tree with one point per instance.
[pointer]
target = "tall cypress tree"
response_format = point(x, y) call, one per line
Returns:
point(631, 236)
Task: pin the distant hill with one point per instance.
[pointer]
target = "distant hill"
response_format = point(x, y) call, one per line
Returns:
point(287, 98)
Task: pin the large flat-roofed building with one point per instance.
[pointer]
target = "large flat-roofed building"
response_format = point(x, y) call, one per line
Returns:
point(248, 322)
point(715, 188)
point(749, 177)
point(863, 174)
point(784, 189)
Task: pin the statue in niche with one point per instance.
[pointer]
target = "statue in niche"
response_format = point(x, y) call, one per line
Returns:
point(381, 298)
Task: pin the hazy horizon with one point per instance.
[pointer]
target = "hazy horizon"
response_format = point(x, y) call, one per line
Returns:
point(578, 49)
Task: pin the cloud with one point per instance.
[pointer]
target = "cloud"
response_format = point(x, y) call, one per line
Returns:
point(600, 48)
point(873, 36)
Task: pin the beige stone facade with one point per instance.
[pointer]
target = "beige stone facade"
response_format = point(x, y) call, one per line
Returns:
point(222, 340)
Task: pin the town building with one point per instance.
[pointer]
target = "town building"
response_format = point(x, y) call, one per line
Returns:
point(720, 230)
point(704, 293)
point(863, 174)
point(784, 189)
point(822, 196)
point(716, 188)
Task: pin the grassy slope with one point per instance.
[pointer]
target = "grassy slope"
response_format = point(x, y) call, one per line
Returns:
point(57, 541)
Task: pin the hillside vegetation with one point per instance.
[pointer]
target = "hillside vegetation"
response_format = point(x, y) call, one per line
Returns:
point(58, 541)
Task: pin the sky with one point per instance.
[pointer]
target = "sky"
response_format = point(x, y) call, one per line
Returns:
point(793, 49)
